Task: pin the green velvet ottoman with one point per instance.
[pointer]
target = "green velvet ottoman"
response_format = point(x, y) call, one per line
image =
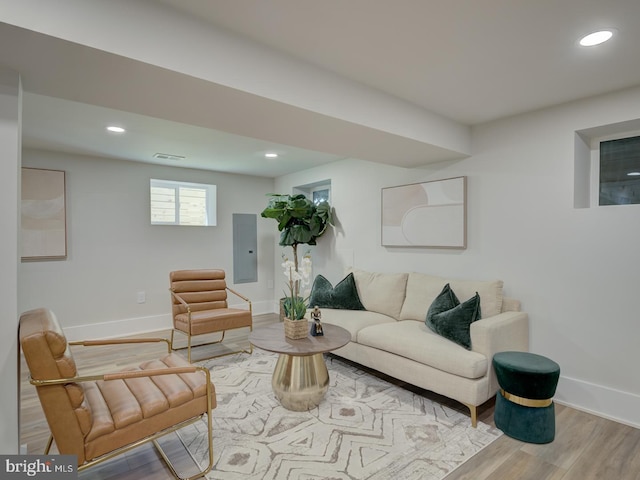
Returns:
point(524, 406)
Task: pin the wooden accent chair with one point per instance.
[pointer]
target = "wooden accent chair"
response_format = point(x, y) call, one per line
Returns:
point(97, 417)
point(199, 305)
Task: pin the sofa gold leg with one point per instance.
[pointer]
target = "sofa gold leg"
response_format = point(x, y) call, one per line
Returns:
point(474, 414)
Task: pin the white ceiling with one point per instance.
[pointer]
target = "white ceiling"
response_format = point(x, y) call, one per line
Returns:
point(51, 123)
point(467, 60)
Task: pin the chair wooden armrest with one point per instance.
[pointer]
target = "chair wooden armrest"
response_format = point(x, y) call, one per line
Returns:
point(120, 341)
point(151, 373)
point(241, 296)
point(180, 299)
point(188, 307)
point(122, 375)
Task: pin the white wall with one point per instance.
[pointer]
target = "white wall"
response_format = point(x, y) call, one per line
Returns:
point(575, 270)
point(114, 252)
point(10, 148)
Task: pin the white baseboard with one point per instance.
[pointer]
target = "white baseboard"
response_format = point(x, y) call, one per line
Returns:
point(139, 325)
point(598, 400)
point(119, 328)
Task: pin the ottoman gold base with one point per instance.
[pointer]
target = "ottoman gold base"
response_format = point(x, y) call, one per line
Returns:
point(526, 402)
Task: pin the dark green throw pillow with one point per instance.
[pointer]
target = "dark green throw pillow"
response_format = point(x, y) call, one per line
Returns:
point(343, 296)
point(452, 319)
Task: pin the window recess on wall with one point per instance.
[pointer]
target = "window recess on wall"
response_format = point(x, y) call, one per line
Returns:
point(316, 192)
point(182, 203)
point(620, 171)
point(607, 165)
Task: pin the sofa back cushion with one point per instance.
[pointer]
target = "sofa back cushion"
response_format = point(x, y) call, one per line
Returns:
point(422, 290)
point(510, 304)
point(381, 292)
point(490, 292)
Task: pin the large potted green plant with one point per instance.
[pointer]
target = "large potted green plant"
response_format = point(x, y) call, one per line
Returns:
point(300, 222)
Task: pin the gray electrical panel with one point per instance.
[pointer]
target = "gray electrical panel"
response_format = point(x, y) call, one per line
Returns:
point(245, 248)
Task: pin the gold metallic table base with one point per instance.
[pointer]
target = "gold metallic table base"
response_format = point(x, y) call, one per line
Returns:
point(300, 378)
point(300, 382)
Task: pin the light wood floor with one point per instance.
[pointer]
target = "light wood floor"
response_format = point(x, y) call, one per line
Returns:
point(586, 447)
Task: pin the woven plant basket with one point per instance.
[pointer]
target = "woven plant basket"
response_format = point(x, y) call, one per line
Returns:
point(296, 329)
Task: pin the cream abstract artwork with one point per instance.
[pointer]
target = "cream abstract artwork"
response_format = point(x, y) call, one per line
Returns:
point(428, 214)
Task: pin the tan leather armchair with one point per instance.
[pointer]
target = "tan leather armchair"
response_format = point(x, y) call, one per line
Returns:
point(199, 306)
point(100, 416)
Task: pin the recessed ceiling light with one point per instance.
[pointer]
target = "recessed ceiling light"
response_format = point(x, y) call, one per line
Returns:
point(633, 174)
point(271, 155)
point(114, 129)
point(168, 156)
point(596, 38)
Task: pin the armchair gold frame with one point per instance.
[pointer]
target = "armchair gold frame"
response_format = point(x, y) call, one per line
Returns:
point(57, 411)
point(199, 306)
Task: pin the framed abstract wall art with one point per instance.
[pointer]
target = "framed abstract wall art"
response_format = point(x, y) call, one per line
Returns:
point(428, 214)
point(43, 215)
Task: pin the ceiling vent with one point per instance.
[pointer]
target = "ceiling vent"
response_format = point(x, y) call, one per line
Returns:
point(167, 156)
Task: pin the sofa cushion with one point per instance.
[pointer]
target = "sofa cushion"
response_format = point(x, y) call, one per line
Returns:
point(381, 292)
point(452, 319)
point(343, 296)
point(490, 292)
point(354, 320)
point(415, 341)
point(422, 290)
point(510, 304)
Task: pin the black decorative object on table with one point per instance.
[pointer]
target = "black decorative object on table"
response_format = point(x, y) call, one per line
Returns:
point(316, 326)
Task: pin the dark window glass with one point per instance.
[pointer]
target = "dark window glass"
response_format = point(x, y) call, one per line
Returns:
point(620, 171)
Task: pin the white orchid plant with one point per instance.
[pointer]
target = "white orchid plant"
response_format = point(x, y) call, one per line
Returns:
point(298, 282)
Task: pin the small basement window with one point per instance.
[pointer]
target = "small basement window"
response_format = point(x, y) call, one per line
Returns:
point(607, 165)
point(620, 171)
point(182, 203)
point(316, 192)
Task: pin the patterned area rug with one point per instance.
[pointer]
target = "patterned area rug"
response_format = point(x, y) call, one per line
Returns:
point(365, 428)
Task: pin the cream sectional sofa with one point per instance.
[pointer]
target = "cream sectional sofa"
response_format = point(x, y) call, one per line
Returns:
point(391, 336)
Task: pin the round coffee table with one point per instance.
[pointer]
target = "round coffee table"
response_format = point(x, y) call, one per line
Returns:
point(300, 379)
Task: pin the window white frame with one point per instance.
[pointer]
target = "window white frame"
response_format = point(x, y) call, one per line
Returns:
point(586, 172)
point(184, 203)
point(324, 188)
point(595, 163)
point(307, 190)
